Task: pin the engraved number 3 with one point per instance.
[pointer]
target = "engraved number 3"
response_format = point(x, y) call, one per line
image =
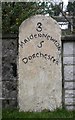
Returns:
point(39, 27)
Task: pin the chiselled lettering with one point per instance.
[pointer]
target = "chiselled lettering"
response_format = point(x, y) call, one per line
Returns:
point(40, 45)
point(40, 35)
point(39, 55)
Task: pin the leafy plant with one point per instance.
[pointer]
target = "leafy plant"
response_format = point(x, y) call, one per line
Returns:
point(14, 13)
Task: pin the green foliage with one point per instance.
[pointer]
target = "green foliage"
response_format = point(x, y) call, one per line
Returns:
point(14, 13)
point(71, 7)
point(71, 11)
point(59, 113)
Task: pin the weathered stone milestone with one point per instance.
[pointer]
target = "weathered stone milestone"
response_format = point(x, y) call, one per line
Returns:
point(39, 65)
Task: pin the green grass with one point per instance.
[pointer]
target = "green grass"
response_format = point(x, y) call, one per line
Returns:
point(15, 114)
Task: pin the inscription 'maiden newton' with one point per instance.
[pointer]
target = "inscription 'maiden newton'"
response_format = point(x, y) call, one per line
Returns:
point(40, 35)
point(37, 55)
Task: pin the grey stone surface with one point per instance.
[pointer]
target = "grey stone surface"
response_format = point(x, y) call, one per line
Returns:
point(9, 89)
point(0, 76)
point(69, 85)
point(68, 72)
point(70, 101)
point(70, 107)
point(69, 93)
point(74, 48)
point(40, 80)
point(0, 62)
point(9, 57)
point(9, 103)
point(68, 49)
point(9, 71)
point(74, 72)
point(0, 89)
point(69, 60)
point(74, 59)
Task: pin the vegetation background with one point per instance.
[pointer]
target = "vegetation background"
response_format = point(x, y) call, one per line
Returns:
point(14, 13)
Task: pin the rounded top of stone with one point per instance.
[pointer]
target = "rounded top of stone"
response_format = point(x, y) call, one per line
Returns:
point(33, 19)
